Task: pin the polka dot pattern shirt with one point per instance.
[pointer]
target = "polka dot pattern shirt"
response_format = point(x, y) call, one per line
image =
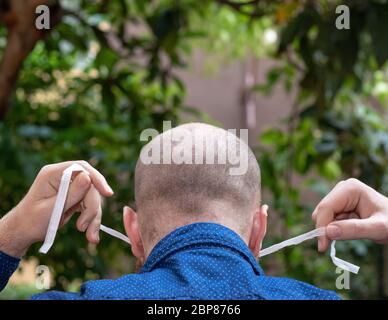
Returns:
point(197, 261)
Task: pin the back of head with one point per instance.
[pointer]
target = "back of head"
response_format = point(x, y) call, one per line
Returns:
point(193, 177)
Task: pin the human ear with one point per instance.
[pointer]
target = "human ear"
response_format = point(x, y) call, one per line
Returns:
point(259, 228)
point(131, 226)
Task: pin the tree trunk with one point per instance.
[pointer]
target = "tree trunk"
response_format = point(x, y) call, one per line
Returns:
point(19, 16)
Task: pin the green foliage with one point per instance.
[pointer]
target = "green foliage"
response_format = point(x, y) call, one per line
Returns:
point(78, 97)
point(227, 36)
point(18, 292)
point(337, 127)
point(107, 71)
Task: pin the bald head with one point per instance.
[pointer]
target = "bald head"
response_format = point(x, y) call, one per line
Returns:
point(196, 172)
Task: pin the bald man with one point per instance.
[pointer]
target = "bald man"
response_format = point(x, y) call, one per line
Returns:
point(197, 229)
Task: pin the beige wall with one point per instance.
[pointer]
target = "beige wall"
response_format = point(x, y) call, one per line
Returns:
point(220, 94)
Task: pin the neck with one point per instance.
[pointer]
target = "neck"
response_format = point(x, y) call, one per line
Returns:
point(163, 228)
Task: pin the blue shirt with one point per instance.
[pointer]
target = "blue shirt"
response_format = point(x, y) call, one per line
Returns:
point(196, 261)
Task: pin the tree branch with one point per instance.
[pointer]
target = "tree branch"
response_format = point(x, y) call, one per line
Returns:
point(19, 18)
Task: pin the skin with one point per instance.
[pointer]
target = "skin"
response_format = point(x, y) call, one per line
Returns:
point(27, 223)
point(352, 210)
point(141, 247)
point(171, 196)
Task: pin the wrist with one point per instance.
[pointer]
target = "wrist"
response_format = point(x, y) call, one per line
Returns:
point(12, 238)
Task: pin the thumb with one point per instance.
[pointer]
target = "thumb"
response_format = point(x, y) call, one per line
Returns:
point(351, 229)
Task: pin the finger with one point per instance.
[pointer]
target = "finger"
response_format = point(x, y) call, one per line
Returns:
point(347, 215)
point(91, 207)
point(66, 216)
point(352, 229)
point(77, 190)
point(342, 199)
point(323, 218)
point(50, 176)
point(93, 231)
point(98, 179)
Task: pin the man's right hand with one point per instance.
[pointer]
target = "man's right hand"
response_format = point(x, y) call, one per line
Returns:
point(27, 223)
point(352, 210)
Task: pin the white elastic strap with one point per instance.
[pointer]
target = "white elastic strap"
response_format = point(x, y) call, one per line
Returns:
point(59, 207)
point(306, 236)
point(61, 200)
point(342, 263)
point(293, 241)
point(115, 233)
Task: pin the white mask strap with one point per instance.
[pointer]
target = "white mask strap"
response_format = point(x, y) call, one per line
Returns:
point(58, 211)
point(310, 235)
point(61, 200)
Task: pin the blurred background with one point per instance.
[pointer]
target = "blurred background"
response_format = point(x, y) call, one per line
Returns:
point(313, 97)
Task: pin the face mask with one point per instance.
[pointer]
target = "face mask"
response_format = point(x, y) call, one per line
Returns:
point(60, 204)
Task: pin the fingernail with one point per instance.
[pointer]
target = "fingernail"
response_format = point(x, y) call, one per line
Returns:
point(110, 189)
point(333, 232)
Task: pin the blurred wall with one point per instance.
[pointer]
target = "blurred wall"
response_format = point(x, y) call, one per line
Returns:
point(224, 96)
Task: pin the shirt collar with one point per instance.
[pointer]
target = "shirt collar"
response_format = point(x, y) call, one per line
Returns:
point(198, 235)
